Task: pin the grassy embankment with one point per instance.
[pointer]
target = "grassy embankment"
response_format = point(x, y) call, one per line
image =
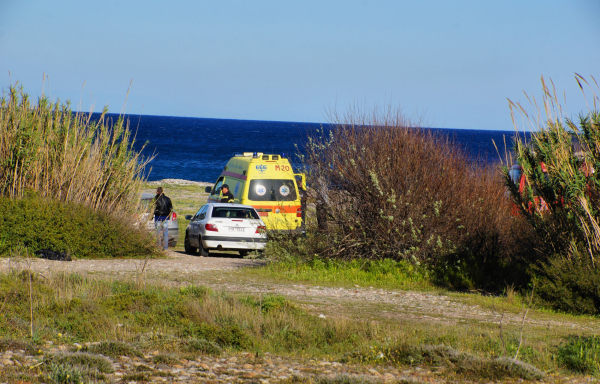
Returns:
point(188, 321)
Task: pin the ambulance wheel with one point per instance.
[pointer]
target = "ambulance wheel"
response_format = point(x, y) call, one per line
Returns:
point(186, 245)
point(243, 253)
point(203, 251)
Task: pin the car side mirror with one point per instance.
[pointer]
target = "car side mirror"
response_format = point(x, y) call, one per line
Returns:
point(188, 217)
point(208, 189)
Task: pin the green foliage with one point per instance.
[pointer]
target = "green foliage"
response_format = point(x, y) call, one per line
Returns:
point(86, 362)
point(569, 284)
point(165, 359)
point(225, 334)
point(11, 345)
point(112, 349)
point(204, 346)
point(65, 374)
point(581, 354)
point(198, 291)
point(337, 379)
point(463, 363)
point(466, 270)
point(268, 303)
point(559, 196)
point(561, 204)
point(380, 273)
point(40, 223)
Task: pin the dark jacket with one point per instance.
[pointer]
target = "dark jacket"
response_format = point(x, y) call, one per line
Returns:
point(162, 206)
point(226, 197)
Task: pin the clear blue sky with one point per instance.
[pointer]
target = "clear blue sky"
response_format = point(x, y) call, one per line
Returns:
point(456, 61)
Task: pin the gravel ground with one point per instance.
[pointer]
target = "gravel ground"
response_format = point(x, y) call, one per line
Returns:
point(17, 366)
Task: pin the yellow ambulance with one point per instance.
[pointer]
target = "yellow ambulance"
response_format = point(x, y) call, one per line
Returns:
point(268, 183)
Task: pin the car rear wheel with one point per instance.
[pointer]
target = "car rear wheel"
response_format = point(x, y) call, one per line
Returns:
point(188, 248)
point(243, 253)
point(203, 251)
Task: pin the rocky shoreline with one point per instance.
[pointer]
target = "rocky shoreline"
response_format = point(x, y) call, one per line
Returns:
point(179, 182)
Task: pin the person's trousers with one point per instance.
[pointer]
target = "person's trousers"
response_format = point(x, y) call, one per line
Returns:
point(162, 226)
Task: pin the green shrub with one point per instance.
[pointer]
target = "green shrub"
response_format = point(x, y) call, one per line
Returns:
point(87, 361)
point(113, 349)
point(267, 303)
point(227, 335)
point(581, 354)
point(569, 284)
point(203, 346)
point(198, 291)
point(65, 374)
point(559, 196)
point(165, 359)
point(460, 362)
point(40, 223)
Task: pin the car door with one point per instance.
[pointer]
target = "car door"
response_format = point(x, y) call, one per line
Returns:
point(215, 195)
point(195, 225)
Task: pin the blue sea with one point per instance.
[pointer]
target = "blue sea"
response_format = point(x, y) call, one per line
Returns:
point(197, 149)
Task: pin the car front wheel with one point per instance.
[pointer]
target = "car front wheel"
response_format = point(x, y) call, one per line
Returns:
point(188, 248)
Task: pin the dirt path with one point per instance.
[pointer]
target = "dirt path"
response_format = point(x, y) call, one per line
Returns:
point(358, 302)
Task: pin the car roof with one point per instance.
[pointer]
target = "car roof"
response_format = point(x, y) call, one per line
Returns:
point(231, 205)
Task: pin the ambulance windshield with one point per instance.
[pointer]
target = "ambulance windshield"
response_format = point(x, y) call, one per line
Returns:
point(272, 190)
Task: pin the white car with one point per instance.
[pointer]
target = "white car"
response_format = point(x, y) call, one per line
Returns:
point(225, 226)
point(147, 201)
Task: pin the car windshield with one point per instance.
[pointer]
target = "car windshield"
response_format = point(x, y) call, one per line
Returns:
point(272, 190)
point(235, 213)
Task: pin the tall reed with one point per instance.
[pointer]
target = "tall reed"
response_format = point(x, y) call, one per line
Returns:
point(561, 164)
point(47, 148)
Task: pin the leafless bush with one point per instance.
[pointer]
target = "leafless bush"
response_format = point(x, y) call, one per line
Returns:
point(384, 188)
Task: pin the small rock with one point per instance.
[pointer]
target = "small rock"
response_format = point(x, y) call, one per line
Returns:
point(247, 366)
point(204, 367)
point(324, 363)
point(232, 359)
point(249, 375)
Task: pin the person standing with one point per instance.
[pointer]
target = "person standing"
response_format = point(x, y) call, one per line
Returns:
point(162, 214)
point(227, 195)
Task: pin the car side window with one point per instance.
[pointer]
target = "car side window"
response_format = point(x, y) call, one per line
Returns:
point(198, 213)
point(217, 188)
point(202, 212)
